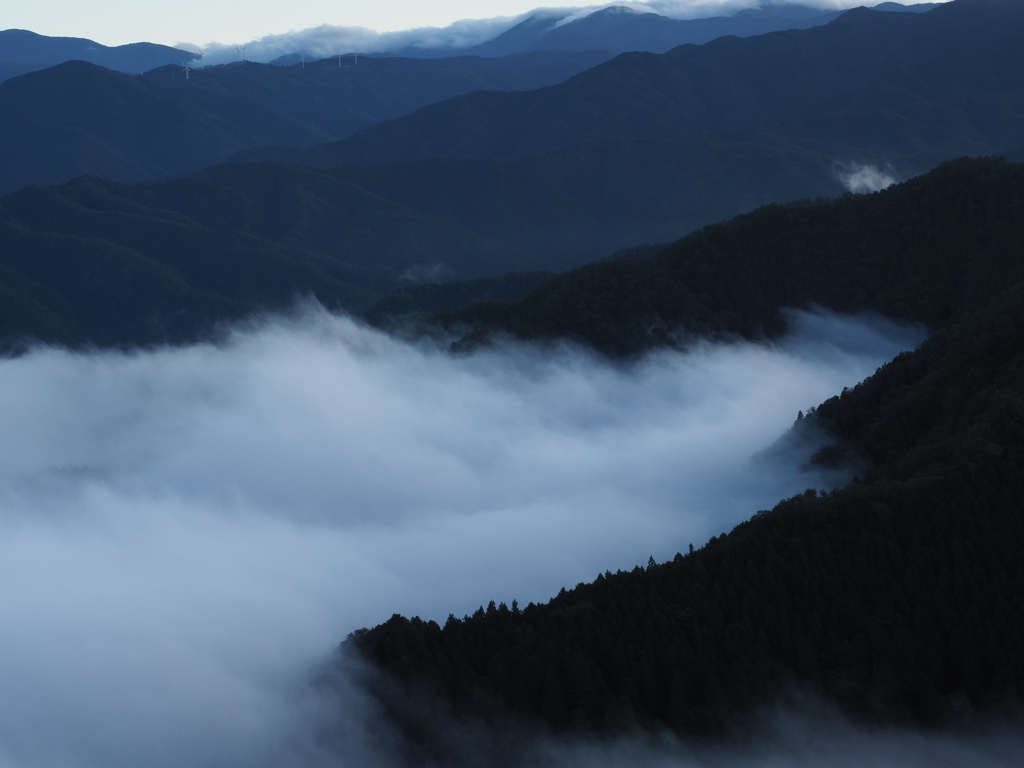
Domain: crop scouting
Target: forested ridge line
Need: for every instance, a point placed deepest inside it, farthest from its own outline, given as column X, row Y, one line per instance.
column 924, row 250
column 899, row 598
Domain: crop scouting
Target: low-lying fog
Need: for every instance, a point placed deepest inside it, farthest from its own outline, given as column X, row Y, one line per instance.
column 185, row 532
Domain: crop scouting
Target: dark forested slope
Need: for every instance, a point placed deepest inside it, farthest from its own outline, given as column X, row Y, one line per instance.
column 899, row 598
column 188, row 253
column 923, row 250
column 920, row 251
column 462, row 220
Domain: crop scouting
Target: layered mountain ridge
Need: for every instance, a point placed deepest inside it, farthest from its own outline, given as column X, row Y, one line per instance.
column 644, row 148
column 22, row 51
column 869, row 82
column 79, row 118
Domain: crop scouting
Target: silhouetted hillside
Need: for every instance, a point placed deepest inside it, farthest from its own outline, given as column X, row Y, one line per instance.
column 226, row 242
column 924, row 250
column 453, row 220
column 897, row 598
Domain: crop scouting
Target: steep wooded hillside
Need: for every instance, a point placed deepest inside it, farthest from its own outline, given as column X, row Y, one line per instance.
column 922, row 251
column 897, row 598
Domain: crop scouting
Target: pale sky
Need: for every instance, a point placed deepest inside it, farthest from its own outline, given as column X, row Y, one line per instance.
column 115, row 22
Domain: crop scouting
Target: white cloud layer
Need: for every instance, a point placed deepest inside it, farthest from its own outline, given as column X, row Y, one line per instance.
column 185, row 532
column 327, row 40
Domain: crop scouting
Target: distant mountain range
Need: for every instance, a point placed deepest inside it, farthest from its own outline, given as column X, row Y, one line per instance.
column 22, row 51
column 612, row 30
column 79, row 118
column 869, row 85
column 643, row 148
column 72, row 119
column 647, row 147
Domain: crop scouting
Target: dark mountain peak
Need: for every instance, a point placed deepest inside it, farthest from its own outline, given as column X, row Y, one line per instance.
column 27, row 46
column 65, row 89
column 33, row 51
column 78, row 67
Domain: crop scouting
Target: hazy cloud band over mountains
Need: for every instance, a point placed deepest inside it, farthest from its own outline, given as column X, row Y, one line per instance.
column 329, row 39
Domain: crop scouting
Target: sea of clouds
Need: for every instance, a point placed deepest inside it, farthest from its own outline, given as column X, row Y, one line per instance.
column 185, row 533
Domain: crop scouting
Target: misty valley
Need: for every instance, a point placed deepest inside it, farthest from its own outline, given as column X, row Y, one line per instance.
column 252, row 498
column 604, row 389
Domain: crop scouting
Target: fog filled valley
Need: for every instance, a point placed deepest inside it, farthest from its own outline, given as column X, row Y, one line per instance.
column 590, row 388
column 187, row 532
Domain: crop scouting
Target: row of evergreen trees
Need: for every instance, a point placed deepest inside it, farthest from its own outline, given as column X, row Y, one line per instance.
column 900, row 598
